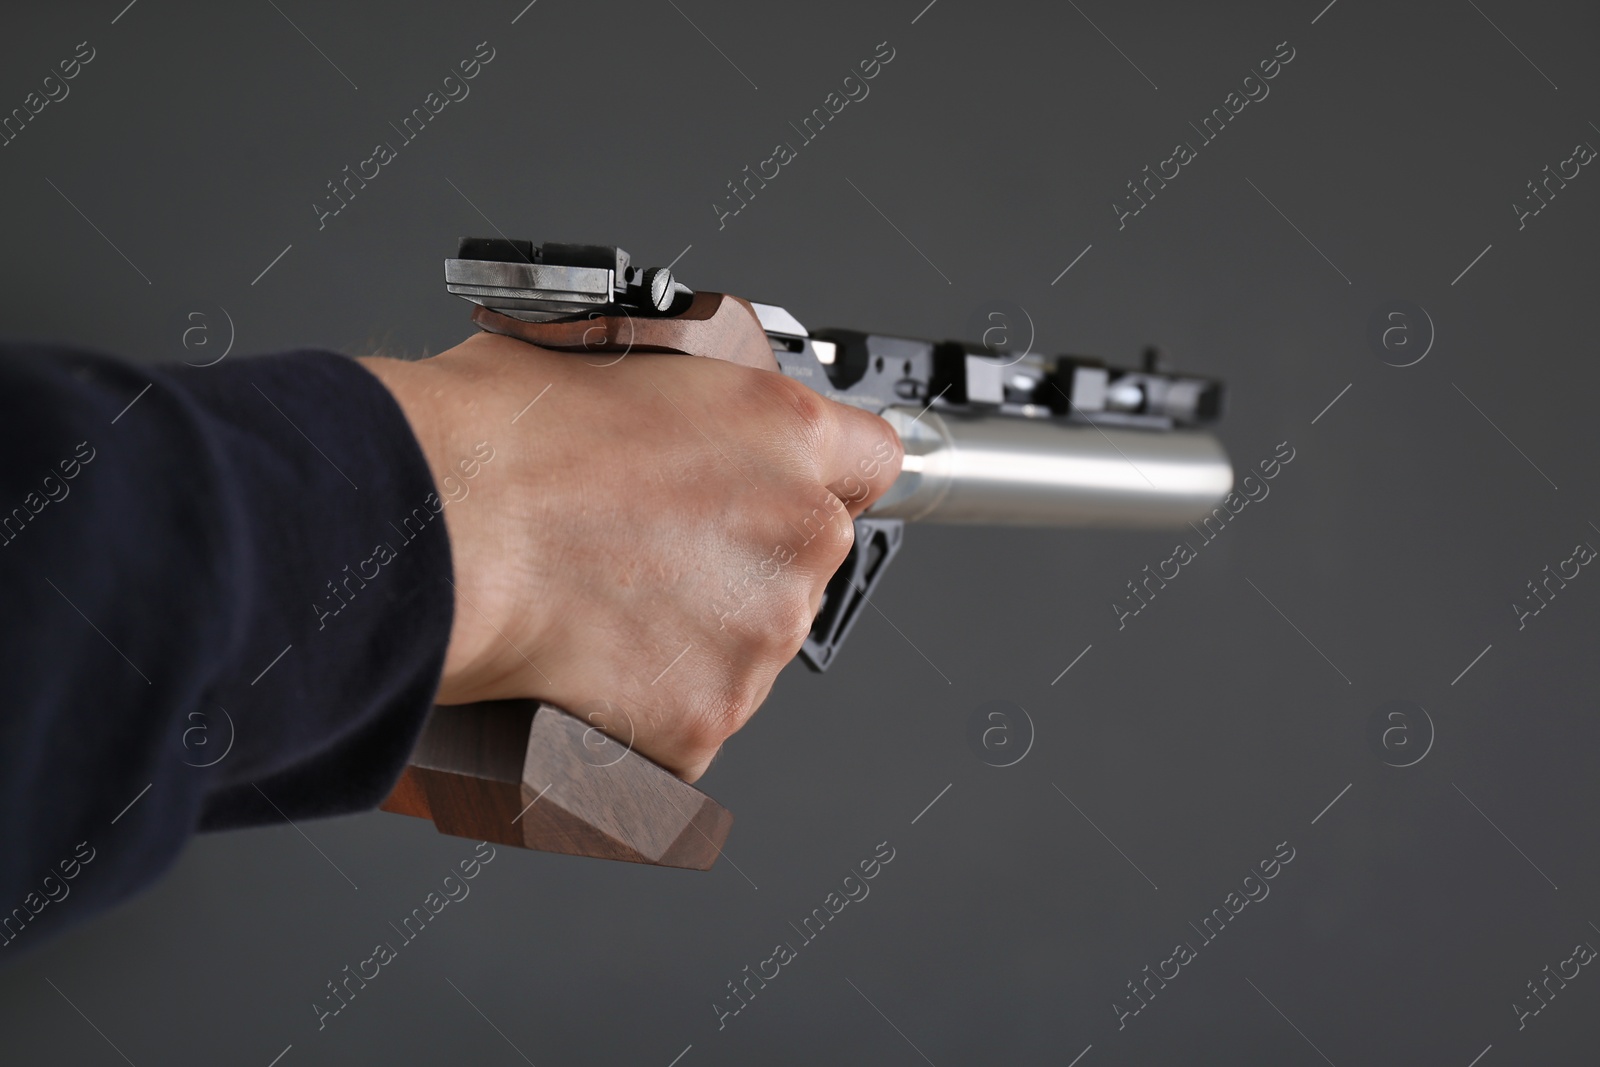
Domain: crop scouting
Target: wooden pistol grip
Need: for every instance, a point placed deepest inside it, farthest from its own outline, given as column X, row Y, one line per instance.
column 527, row 774
column 715, row 325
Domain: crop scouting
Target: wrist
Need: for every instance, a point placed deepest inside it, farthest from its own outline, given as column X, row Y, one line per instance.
column 424, row 397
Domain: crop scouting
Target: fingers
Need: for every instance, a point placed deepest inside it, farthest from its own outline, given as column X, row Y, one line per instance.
column 861, row 458
column 855, row 455
column 686, row 506
column 697, row 759
column 682, row 719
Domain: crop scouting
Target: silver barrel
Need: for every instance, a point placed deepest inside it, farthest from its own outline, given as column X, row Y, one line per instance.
column 1004, row 470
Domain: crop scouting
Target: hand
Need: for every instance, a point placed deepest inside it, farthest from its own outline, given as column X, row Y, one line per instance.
column 652, row 537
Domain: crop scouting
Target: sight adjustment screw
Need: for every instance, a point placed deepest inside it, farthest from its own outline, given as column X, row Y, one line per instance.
column 657, row 287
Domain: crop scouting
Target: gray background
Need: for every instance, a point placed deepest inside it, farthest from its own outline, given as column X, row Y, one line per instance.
column 1196, row 739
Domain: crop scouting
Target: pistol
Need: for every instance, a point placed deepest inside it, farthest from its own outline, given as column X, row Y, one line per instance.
column 991, row 437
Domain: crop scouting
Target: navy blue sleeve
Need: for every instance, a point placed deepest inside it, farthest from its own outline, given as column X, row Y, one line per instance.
column 226, row 601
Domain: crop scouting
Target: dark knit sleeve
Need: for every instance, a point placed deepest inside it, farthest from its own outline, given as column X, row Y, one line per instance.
column 227, row 600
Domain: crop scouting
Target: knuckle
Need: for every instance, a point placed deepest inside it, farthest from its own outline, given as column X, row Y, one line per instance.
column 881, row 463
column 766, row 639
column 833, row 533
column 890, row 449
column 809, row 411
column 727, row 710
column 791, row 626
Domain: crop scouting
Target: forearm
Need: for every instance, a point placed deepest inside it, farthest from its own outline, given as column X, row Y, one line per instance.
column 173, row 641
